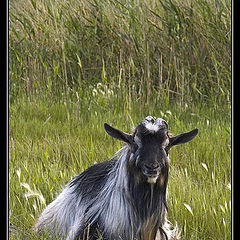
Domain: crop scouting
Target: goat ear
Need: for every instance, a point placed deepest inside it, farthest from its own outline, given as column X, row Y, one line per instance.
column 118, row 134
column 183, row 138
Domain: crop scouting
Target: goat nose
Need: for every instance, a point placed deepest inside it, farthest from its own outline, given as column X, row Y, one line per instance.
column 152, row 165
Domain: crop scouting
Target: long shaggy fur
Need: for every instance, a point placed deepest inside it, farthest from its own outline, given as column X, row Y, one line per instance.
column 124, row 198
column 105, row 202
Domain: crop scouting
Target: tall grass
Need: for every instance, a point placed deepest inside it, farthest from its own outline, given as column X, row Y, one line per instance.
column 181, row 49
column 74, row 65
column 52, row 142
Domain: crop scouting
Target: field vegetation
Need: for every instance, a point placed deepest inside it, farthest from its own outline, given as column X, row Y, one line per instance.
column 74, row 65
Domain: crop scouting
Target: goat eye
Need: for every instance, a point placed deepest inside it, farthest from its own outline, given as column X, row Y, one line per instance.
column 164, row 149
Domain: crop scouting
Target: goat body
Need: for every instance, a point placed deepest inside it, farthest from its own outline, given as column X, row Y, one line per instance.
column 124, row 198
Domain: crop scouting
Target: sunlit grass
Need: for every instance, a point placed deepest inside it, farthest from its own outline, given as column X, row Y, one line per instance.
column 45, row 155
column 182, row 49
column 74, row 65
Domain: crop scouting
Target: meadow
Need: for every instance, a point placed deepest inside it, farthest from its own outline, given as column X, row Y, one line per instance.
column 74, row 65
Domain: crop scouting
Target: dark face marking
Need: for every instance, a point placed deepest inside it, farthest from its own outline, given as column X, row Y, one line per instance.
column 151, row 157
column 149, row 146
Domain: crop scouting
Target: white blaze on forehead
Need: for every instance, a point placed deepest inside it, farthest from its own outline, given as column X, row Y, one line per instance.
column 154, row 126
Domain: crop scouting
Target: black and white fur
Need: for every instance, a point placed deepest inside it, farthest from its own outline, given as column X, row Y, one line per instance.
column 124, row 198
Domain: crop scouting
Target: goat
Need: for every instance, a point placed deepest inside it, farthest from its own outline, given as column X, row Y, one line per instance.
column 124, row 198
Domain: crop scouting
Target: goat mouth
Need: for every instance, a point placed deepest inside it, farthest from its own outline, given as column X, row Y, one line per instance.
column 152, row 179
column 151, row 173
column 151, row 176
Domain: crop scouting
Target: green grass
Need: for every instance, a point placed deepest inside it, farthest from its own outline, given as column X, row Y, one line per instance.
column 51, row 142
column 179, row 48
column 74, row 65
